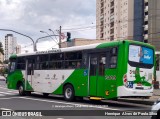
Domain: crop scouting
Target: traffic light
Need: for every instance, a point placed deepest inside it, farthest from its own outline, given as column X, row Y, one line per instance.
column 68, row 36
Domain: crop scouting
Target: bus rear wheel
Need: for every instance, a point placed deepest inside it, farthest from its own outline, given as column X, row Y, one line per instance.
column 21, row 90
column 69, row 92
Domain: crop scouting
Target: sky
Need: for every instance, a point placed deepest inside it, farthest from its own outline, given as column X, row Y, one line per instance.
column 29, row 17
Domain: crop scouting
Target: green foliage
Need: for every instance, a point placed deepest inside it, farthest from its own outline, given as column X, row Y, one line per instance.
column 5, row 61
column 3, row 71
column 1, row 48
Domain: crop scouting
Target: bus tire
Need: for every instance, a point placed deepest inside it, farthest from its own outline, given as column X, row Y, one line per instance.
column 69, row 93
column 21, row 90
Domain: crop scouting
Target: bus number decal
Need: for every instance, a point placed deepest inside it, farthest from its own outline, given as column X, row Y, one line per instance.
column 110, row 77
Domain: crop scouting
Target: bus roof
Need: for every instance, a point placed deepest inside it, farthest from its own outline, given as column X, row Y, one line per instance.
column 83, row 47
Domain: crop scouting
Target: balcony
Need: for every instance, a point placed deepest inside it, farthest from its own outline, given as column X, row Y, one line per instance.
column 101, row 30
column 146, row 36
column 101, row 17
column 102, row 11
column 112, row 15
column 145, row 27
column 112, row 11
column 146, row 9
column 112, row 37
column 102, row 1
column 145, row 0
column 112, row 25
column 111, row 0
column 112, row 7
column 112, row 31
column 146, row 18
column 112, row 18
column 102, row 5
column 112, row 4
column 101, row 36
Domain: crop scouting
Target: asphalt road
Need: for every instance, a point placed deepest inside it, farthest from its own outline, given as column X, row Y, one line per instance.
column 55, row 105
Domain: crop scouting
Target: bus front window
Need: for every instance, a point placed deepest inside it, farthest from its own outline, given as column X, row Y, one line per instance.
column 12, row 65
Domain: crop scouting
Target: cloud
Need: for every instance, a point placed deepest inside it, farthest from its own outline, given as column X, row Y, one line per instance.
column 31, row 16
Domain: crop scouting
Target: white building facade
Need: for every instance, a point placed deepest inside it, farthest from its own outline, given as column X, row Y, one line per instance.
column 10, row 46
column 119, row 19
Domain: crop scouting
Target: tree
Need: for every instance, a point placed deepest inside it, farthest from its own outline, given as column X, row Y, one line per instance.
column 5, row 62
column 1, row 48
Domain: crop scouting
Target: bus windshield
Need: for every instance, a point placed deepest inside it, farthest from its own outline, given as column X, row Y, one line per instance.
column 141, row 56
column 12, row 65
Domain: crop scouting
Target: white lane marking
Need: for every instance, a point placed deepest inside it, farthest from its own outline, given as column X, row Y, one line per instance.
column 7, row 93
column 13, row 91
column 60, row 118
column 4, row 87
column 5, row 109
column 66, row 103
column 9, row 90
column 8, row 98
column 37, row 93
column 2, row 95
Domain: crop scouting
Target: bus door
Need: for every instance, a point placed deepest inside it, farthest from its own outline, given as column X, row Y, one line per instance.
column 97, row 62
column 29, row 74
column 110, row 84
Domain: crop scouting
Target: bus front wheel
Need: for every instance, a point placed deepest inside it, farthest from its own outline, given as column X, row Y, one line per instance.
column 21, row 90
column 69, row 92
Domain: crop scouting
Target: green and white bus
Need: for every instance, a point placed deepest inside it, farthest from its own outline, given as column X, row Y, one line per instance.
column 98, row 71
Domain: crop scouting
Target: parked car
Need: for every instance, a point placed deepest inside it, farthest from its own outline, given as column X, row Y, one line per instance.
column 156, row 109
column 2, row 78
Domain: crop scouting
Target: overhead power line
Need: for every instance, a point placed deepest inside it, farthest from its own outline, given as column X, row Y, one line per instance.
column 117, row 22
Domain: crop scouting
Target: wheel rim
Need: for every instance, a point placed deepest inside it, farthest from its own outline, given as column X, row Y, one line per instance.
column 68, row 93
column 21, row 89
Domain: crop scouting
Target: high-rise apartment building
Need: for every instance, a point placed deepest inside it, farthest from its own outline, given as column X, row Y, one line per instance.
column 10, row 46
column 120, row 19
column 1, row 57
column 152, row 23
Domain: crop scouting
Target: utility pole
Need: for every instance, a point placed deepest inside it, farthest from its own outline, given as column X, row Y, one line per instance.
column 60, row 28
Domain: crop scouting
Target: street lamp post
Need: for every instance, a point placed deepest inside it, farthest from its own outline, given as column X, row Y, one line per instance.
column 49, row 36
column 20, row 34
column 35, row 45
column 60, row 31
column 53, row 34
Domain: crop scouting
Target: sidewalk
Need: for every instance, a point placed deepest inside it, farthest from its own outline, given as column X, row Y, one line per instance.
column 156, row 95
column 156, row 92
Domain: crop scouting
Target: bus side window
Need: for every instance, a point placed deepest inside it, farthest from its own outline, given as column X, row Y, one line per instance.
column 42, row 62
column 113, row 58
column 12, row 66
column 21, row 63
column 93, row 65
column 102, row 63
column 73, row 60
column 31, row 65
column 56, row 61
column 113, row 62
column 84, row 61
